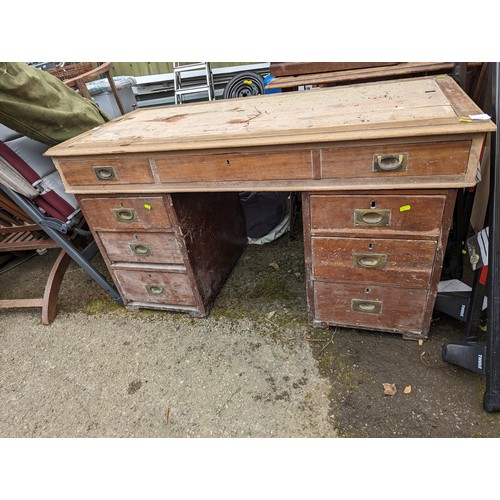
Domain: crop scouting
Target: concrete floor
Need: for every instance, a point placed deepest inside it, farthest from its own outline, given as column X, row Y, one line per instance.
column 253, row 368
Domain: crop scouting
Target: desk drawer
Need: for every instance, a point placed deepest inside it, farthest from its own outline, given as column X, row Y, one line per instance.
column 377, row 261
column 155, row 287
column 386, row 215
column 126, row 213
column 220, row 167
column 102, row 171
column 373, row 307
column 380, row 161
column 147, row 248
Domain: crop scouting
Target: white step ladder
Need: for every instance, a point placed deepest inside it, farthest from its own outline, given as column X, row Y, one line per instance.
column 181, row 91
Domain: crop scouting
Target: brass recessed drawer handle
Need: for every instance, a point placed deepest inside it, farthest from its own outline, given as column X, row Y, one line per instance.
column 141, row 249
column 366, row 306
column 125, row 214
column 369, row 261
column 105, row 173
column 395, row 162
column 155, row 289
column 370, row 217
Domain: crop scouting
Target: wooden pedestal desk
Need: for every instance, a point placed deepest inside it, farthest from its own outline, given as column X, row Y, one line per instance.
column 378, row 166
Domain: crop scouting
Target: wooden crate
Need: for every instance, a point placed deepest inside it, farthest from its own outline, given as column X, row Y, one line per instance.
column 306, row 68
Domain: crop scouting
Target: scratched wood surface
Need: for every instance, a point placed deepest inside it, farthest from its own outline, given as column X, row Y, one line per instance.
column 397, row 108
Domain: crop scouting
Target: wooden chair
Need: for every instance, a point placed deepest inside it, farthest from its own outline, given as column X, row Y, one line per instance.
column 36, row 213
column 18, row 233
column 76, row 76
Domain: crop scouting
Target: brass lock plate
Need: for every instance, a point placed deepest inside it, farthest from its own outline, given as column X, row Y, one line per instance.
column 155, row 289
column 105, row 173
column 366, row 306
column 379, row 217
column 141, row 249
column 369, row 260
column 125, row 214
column 391, row 162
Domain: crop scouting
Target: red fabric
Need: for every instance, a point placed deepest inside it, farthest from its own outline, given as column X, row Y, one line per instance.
column 51, row 202
column 53, row 212
column 18, row 163
column 484, row 275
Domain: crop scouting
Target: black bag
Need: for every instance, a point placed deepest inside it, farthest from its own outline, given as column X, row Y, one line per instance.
column 263, row 211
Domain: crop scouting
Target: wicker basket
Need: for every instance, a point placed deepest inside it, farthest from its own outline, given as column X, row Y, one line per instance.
column 72, row 70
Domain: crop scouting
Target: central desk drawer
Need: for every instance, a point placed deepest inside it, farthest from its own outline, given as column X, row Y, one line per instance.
column 396, row 160
column 155, row 287
column 147, row 248
column 374, row 307
column 380, row 214
column 217, row 167
column 378, row 261
column 127, row 213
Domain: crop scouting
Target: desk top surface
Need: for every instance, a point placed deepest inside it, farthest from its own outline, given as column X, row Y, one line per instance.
column 390, row 109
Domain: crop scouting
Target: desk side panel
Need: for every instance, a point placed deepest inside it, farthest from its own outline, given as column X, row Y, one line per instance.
column 213, row 228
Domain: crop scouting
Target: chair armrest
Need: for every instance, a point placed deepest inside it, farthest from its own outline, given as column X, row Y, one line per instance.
column 103, row 68
column 79, row 83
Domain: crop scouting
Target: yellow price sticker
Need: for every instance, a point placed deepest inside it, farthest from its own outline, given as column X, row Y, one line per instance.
column 147, row 207
column 247, row 82
column 405, row 208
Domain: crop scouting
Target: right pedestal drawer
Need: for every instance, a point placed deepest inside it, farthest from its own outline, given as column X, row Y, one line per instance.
column 370, row 307
column 388, row 215
column 382, row 261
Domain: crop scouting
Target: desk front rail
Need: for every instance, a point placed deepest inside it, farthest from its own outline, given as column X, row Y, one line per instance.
column 406, row 163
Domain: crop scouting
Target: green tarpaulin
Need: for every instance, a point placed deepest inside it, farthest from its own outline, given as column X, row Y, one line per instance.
column 40, row 106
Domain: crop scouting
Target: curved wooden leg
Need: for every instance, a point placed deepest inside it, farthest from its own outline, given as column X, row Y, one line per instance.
column 49, row 306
